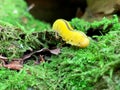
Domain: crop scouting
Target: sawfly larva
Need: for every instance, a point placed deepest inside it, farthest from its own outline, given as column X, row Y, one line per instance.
column 69, row 35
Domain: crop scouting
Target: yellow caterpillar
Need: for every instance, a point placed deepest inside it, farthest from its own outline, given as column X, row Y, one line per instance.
column 69, row 35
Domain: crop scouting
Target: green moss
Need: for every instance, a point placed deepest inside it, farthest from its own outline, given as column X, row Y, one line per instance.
column 96, row 27
column 80, row 24
column 14, row 42
column 17, row 26
column 16, row 12
column 94, row 67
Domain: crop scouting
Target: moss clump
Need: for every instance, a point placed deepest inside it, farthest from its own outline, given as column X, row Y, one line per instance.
column 17, row 26
column 14, row 42
column 96, row 27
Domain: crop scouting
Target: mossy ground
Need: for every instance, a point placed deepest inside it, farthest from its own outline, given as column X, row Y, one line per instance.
column 93, row 68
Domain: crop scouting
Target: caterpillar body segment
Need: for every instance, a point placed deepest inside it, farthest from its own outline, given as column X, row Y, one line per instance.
column 61, row 25
column 69, row 35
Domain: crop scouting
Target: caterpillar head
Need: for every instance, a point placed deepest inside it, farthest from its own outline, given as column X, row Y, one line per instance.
column 85, row 43
column 79, row 39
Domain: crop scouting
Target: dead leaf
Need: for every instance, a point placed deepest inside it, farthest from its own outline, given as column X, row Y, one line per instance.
column 43, row 51
column 52, row 51
column 27, row 56
column 40, row 59
column 15, row 65
column 55, row 51
column 3, row 58
column 1, row 65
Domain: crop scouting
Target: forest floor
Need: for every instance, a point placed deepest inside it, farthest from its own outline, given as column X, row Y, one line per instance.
column 33, row 58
